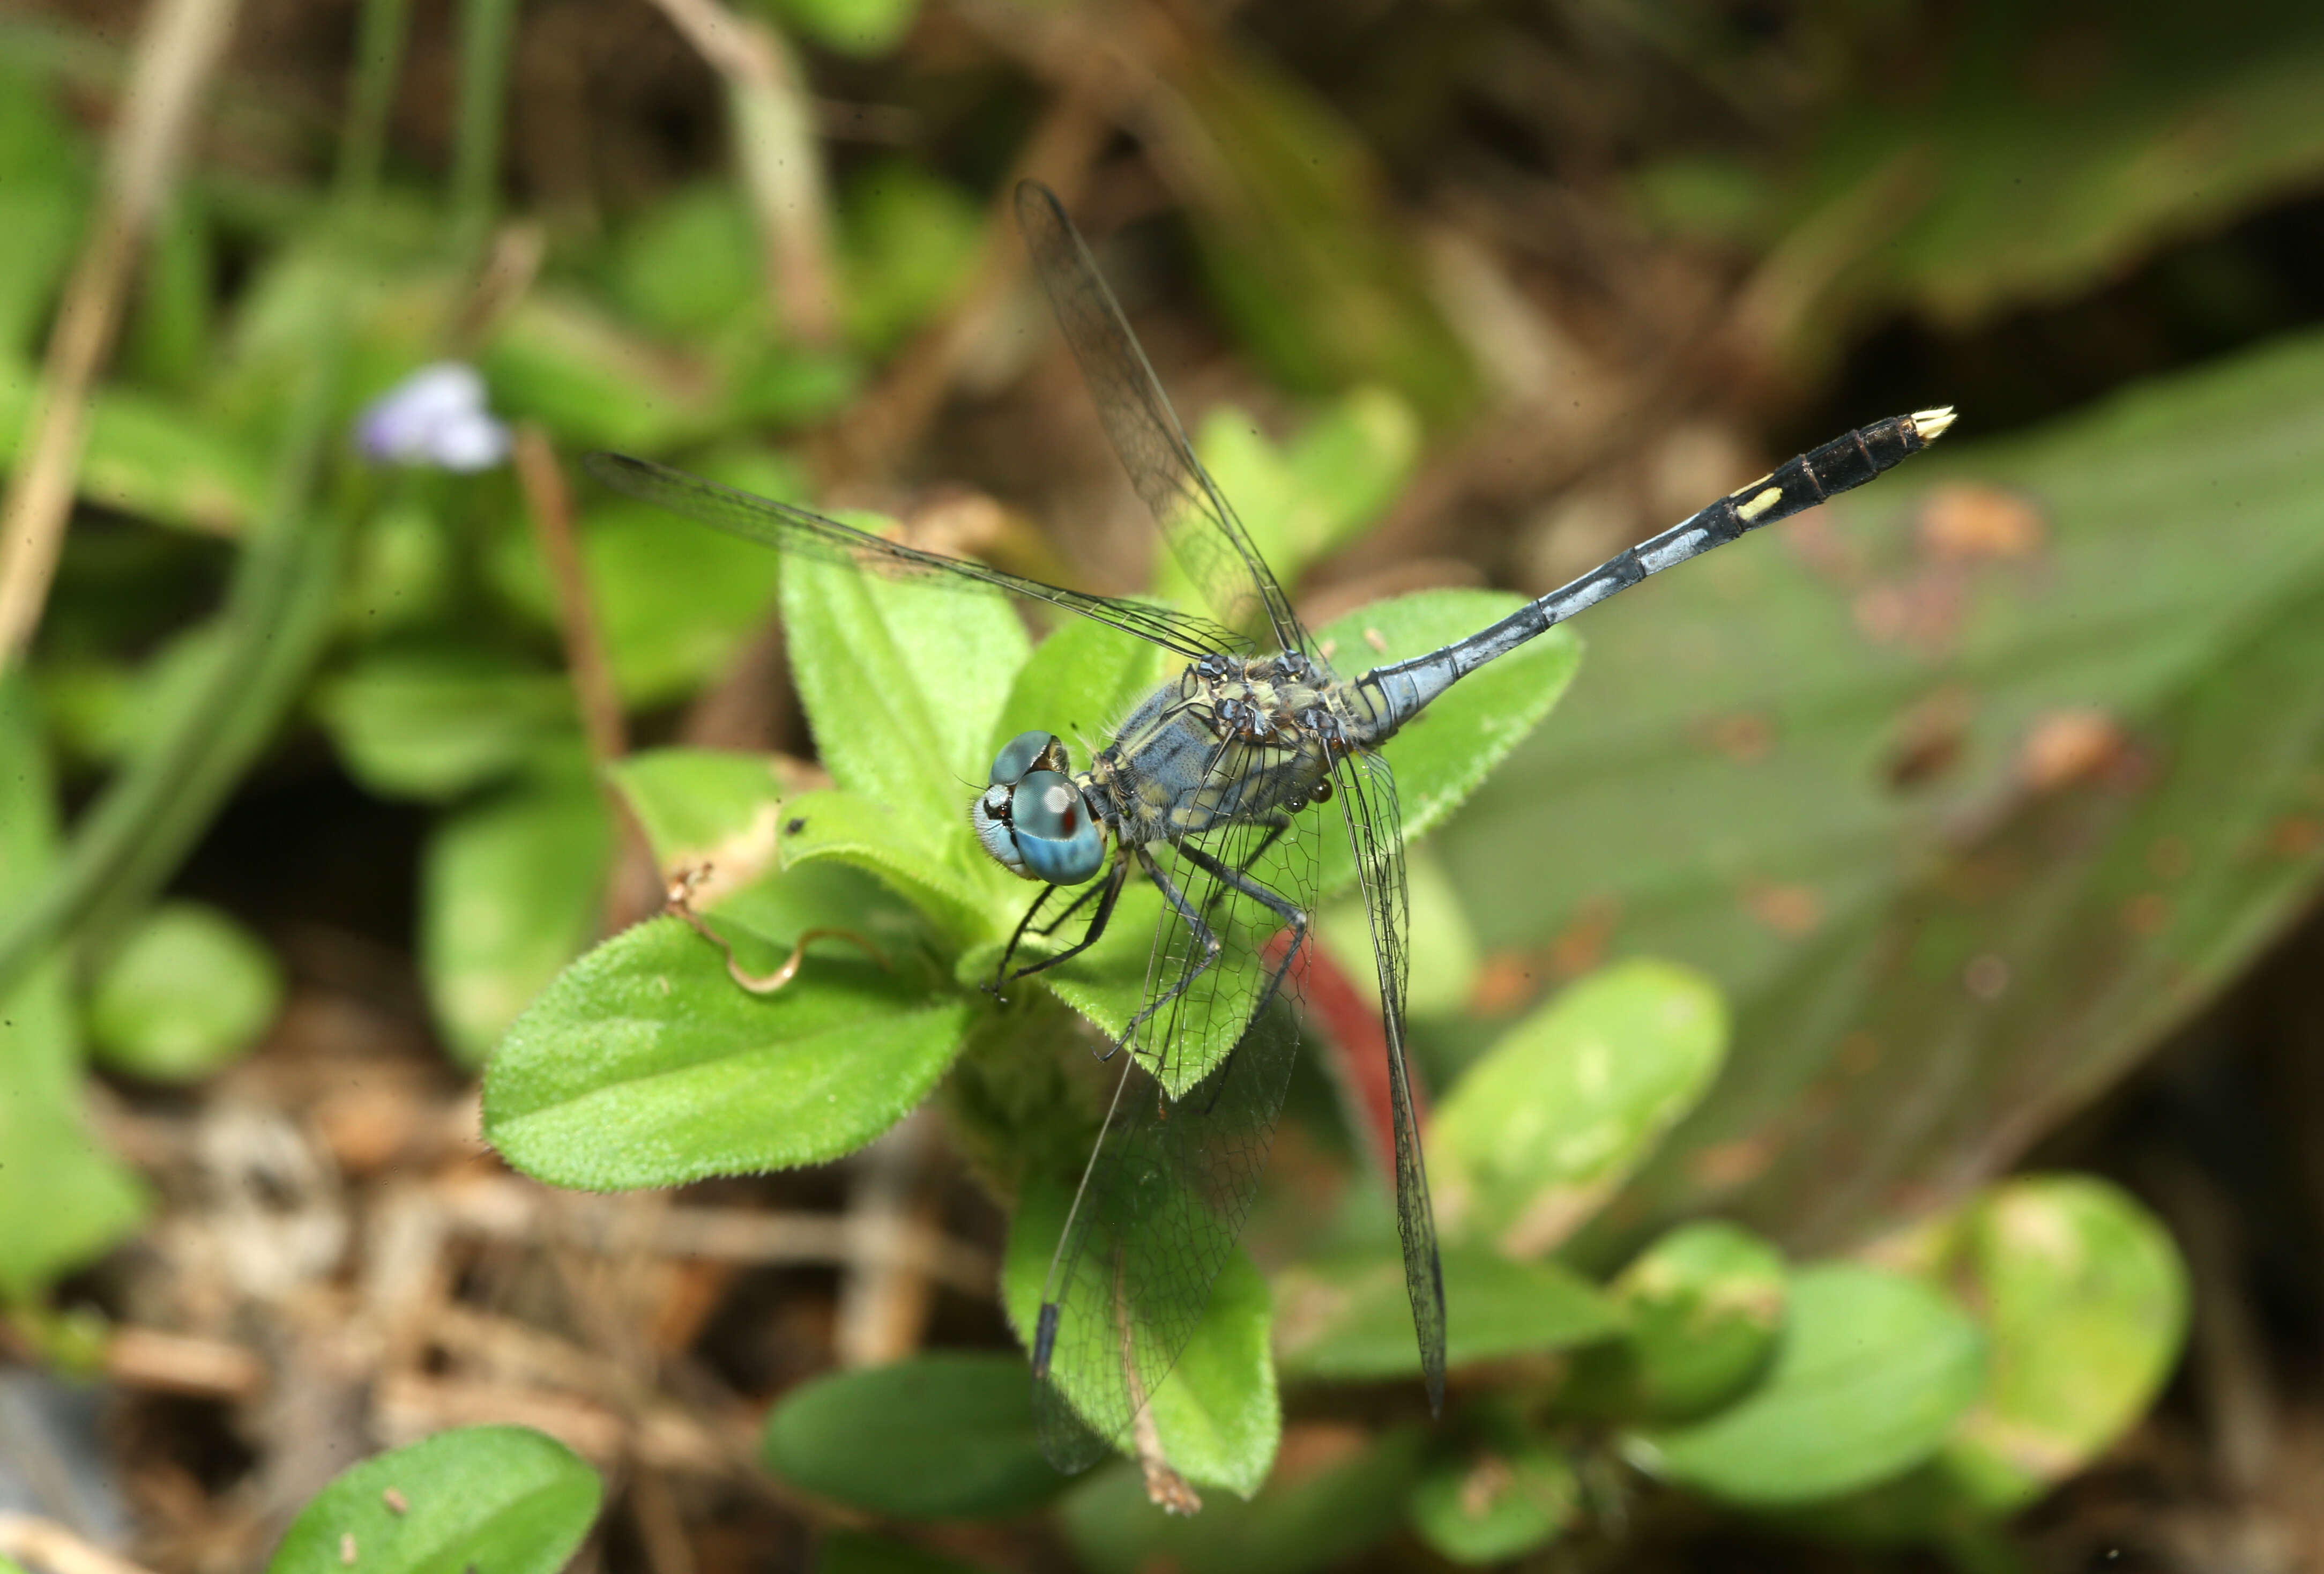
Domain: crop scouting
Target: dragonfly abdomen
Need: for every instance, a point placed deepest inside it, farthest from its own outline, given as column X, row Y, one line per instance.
column 1389, row 697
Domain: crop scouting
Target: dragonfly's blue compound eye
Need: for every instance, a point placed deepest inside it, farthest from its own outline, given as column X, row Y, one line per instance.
column 1023, row 753
column 1056, row 835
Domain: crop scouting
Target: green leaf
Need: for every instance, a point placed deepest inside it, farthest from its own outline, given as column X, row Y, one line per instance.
column 1538, row 1132
column 1347, row 1317
column 676, row 602
column 704, row 806
column 1491, row 1504
column 1443, row 756
column 405, row 575
column 2085, row 1300
column 1345, row 1495
column 645, row 1065
column 1216, row 1412
column 187, row 991
column 63, row 1199
column 2085, row 1303
column 902, row 684
column 511, row 889
column 1874, row 1371
column 691, row 264
column 1812, row 765
column 154, row 458
column 502, row 1498
column 1350, row 464
column 909, row 239
column 436, row 720
column 1706, row 1311
column 167, row 341
column 1441, row 949
column 857, row 830
column 560, row 360
column 940, row 1436
column 781, row 867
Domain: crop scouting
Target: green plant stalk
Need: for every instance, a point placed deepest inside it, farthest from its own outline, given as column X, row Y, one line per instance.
column 278, row 614
column 487, row 28
column 379, row 62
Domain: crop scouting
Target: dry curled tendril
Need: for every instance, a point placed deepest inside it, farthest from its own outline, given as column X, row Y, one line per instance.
column 679, row 899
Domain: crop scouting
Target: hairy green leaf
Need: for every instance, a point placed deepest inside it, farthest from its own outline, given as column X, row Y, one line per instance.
column 644, row 1064
column 505, row 1498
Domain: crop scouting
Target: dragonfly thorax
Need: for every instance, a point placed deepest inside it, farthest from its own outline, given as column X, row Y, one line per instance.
column 1230, row 739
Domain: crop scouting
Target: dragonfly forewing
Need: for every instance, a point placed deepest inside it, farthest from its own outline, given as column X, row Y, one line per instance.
column 803, row 532
column 1204, row 534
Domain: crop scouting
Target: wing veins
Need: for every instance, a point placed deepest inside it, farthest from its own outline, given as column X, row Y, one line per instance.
column 803, row 532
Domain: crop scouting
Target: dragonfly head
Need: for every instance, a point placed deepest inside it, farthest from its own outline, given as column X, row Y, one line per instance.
column 1032, row 820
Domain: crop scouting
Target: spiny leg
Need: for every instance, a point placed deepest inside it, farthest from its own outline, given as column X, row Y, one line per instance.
column 1240, row 879
column 1197, row 929
column 1016, row 938
column 1112, row 890
column 1277, row 824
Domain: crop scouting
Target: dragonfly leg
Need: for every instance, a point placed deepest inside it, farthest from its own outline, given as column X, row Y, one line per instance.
column 1001, row 972
column 1078, row 902
column 1239, row 878
column 1107, row 894
column 1197, row 931
column 1276, row 827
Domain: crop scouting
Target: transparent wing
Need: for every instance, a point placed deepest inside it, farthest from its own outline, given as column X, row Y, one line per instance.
column 1368, row 800
column 806, row 534
column 1172, row 1178
column 1210, row 542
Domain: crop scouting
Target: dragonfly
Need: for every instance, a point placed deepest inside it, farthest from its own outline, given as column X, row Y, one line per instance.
column 1216, row 793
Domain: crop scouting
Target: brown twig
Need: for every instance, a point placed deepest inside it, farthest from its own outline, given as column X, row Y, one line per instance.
column 176, row 53
column 548, row 502
column 507, row 1209
column 169, row 1362
column 782, row 174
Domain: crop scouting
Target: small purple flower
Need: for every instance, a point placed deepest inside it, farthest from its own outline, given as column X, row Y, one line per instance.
column 437, row 416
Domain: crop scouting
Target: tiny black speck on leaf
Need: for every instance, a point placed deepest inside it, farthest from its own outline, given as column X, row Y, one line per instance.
column 794, row 826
